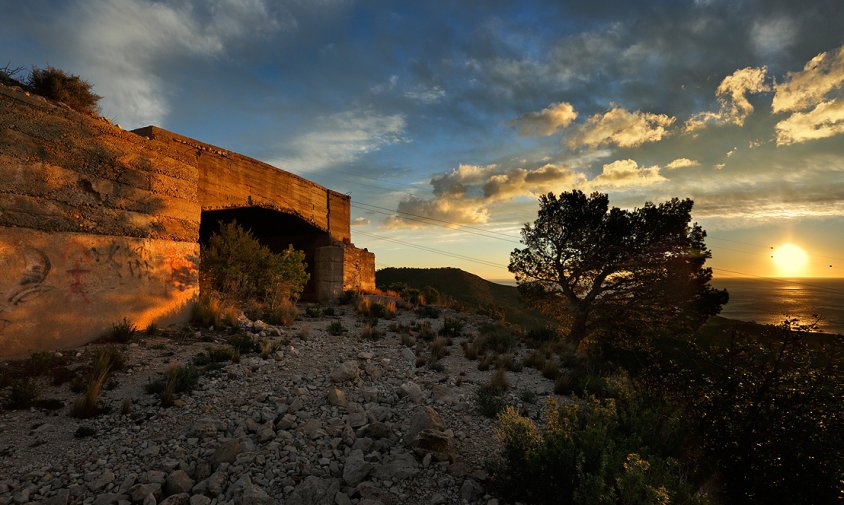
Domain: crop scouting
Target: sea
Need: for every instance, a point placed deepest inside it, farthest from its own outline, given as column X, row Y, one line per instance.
column 773, row 300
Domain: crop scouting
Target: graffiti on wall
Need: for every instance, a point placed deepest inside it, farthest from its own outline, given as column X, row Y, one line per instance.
column 33, row 267
column 125, row 260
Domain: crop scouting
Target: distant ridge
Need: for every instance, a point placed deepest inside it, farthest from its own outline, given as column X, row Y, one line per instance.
column 467, row 289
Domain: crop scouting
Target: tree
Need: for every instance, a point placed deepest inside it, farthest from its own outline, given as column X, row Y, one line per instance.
column 589, row 264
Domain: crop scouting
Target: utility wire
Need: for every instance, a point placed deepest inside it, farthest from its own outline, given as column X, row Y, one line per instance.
column 436, row 251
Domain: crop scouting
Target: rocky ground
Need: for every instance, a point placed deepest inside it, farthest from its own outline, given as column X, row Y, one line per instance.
column 321, row 419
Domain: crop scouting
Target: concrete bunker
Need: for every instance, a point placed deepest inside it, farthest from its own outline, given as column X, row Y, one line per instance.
column 98, row 224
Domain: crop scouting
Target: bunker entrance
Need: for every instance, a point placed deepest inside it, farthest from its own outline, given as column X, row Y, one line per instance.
column 273, row 229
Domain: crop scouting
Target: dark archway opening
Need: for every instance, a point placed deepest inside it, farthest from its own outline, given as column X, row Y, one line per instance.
column 273, row 229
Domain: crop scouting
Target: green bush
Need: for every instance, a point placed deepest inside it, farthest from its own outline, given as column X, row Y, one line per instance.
column 431, row 295
column 336, row 328
column 489, row 402
column 428, row 312
column 313, row 311
column 235, row 264
column 244, row 343
column 452, row 327
column 23, row 394
column 67, row 88
column 178, row 379
column 768, row 410
column 593, row 452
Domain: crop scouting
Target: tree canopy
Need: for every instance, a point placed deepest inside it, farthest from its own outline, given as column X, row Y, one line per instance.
column 589, row 264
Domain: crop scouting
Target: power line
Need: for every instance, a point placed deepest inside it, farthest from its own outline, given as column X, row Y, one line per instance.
column 450, row 223
column 436, row 251
column 420, row 220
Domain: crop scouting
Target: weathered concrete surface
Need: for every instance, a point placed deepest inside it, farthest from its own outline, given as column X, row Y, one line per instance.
column 96, row 225
column 230, row 180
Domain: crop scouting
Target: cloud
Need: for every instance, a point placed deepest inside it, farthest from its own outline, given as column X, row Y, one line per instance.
column 825, row 120
column 621, row 127
column 772, row 36
column 122, row 44
column 546, row 121
column 464, row 195
column 360, row 221
column 448, row 208
column 809, row 87
column 341, row 138
column 682, row 163
column 425, row 94
column 523, row 182
column 627, row 174
column 732, row 95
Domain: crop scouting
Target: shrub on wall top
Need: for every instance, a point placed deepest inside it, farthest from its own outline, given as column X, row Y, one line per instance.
column 70, row 89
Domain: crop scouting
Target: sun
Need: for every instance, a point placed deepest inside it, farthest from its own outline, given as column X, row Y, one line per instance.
column 791, row 260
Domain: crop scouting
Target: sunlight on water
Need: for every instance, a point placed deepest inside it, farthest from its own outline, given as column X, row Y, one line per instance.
column 772, row 301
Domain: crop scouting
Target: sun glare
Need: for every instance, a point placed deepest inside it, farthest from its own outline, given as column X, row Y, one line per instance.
column 790, row 259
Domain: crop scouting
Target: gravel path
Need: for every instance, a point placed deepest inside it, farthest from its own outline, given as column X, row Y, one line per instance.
column 324, row 420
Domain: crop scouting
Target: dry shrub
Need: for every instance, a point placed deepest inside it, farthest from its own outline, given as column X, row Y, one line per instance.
column 535, row 359
column 470, row 350
column 498, row 383
column 211, row 310
column 67, row 88
column 485, row 362
column 439, row 349
column 504, row 361
column 406, row 340
column 551, row 370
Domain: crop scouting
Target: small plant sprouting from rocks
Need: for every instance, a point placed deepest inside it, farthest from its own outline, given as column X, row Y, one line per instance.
column 528, row 396
column 153, row 329
column 452, row 327
column 439, row 349
column 428, row 312
column 489, row 402
column 498, row 382
column 244, row 343
column 305, row 333
column 122, row 332
column 39, row 363
column 336, row 328
column 551, row 370
column 269, row 347
column 108, row 360
column 177, row 379
column 470, row 350
column 406, row 340
column 328, row 311
column 23, row 395
column 424, row 330
column 485, row 362
column 504, row 362
column 370, row 332
column 313, row 311
column 126, row 407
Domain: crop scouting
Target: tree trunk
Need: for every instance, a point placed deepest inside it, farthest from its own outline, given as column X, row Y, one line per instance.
column 578, row 325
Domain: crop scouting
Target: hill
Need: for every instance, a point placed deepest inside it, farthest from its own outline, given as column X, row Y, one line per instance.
column 466, row 289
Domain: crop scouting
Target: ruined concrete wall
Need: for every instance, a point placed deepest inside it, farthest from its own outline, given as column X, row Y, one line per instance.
column 340, row 268
column 358, row 269
column 328, row 273
column 230, row 180
column 96, row 224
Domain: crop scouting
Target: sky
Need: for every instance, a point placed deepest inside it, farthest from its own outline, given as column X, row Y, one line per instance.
column 444, row 120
